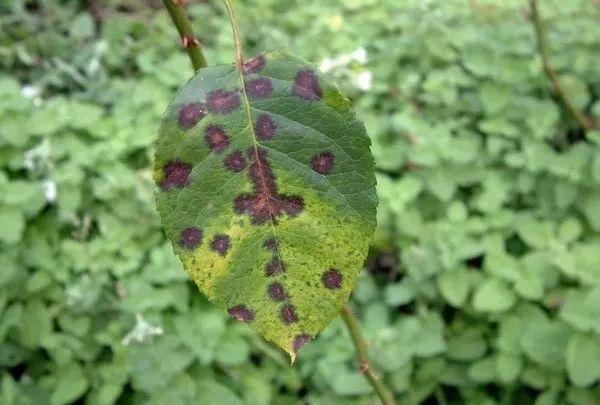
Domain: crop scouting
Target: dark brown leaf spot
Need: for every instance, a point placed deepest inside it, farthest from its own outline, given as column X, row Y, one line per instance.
column 265, row 127
column 332, row 279
column 241, row 313
column 223, row 101
column 288, row 314
column 254, row 65
column 271, row 244
column 275, row 266
column 260, row 87
column 190, row 114
column 236, row 162
column 276, row 292
column 190, row 237
column 265, row 204
column 220, row 244
column 216, row 138
column 322, row 163
column 300, row 341
column 306, row 86
column 176, row 175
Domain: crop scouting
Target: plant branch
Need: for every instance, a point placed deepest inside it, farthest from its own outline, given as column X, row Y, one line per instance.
column 543, row 49
column 188, row 39
column 237, row 42
column 385, row 395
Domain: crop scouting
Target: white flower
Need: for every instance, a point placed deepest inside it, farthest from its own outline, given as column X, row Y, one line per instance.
column 343, row 60
column 30, row 92
column 37, row 156
column 360, row 55
column 49, row 187
column 142, row 331
column 326, row 65
column 363, row 80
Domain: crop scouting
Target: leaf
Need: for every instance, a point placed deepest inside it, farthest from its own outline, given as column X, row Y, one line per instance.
column 493, row 295
column 71, row 384
column 508, row 367
column 210, row 392
column 494, row 96
column 267, row 193
column 545, row 343
column 583, row 353
column 11, row 225
column 466, row 346
column 454, row 286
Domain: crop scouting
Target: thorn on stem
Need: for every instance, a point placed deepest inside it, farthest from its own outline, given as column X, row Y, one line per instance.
column 189, row 41
column 363, row 366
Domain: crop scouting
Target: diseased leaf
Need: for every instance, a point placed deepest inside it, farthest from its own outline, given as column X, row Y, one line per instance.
column 266, row 190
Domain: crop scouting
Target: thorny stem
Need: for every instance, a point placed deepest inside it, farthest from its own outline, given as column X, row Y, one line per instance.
column 542, row 44
column 188, row 39
column 385, row 395
column 237, row 42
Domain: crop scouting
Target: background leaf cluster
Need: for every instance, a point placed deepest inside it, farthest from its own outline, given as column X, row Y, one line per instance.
column 484, row 280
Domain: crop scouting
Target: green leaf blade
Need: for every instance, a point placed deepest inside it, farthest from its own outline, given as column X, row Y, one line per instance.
column 266, row 190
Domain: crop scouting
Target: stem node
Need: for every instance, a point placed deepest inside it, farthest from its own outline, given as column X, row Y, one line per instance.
column 184, row 27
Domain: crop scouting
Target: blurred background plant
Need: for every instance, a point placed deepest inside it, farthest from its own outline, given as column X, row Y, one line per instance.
column 483, row 285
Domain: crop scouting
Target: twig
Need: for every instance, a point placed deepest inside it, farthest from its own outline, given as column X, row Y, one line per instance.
column 237, row 42
column 385, row 395
column 542, row 44
column 189, row 41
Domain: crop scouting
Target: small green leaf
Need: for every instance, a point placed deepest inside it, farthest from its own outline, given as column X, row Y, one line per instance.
column 494, row 96
column 210, row 392
column 467, row 346
column 493, row 295
column 267, row 192
column 12, row 223
column 71, row 384
column 454, row 286
column 545, row 343
column 508, row 367
column 82, row 26
column 583, row 352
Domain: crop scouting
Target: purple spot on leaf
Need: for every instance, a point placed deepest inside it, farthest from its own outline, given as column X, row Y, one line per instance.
column 220, row 244
column 306, row 86
column 275, row 266
column 271, row 244
column 223, row 101
column 190, row 237
column 216, row 138
column 260, row 87
column 190, row 114
column 288, row 314
column 322, row 163
column 276, row 292
column 254, row 65
column 332, row 279
column 241, row 313
column 236, row 162
column 300, row 341
column 265, row 127
column 265, row 204
column 176, row 175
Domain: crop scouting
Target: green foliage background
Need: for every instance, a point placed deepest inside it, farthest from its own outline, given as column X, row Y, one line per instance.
column 484, row 280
